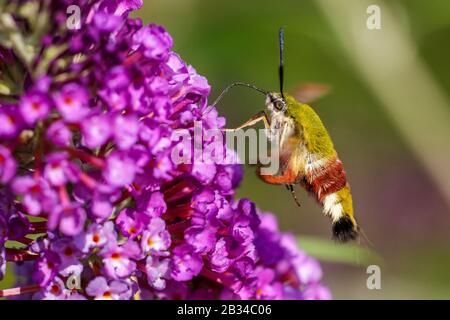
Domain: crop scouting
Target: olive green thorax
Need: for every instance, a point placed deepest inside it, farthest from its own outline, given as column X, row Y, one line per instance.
column 311, row 128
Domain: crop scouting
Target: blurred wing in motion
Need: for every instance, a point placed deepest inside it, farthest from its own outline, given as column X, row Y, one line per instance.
column 310, row 91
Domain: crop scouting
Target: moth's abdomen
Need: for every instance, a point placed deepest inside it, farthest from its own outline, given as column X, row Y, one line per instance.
column 339, row 207
column 326, row 179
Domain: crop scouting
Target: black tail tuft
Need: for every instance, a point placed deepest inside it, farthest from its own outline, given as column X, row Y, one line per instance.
column 344, row 229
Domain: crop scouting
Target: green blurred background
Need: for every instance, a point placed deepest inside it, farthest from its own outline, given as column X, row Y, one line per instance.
column 387, row 112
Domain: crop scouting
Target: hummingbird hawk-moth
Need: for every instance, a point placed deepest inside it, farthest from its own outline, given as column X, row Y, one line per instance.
column 307, row 154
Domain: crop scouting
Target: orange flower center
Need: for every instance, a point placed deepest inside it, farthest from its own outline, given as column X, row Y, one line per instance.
column 55, row 165
column 35, row 189
column 68, row 100
column 11, row 120
column 107, row 295
column 55, row 289
column 96, row 238
column 35, row 105
column 115, row 256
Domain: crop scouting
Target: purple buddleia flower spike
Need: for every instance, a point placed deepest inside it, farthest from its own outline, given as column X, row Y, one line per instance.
column 90, row 186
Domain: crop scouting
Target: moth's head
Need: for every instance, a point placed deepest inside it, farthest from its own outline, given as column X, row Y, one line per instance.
column 275, row 102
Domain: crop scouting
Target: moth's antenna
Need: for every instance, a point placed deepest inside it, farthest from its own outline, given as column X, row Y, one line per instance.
column 281, row 65
column 234, row 84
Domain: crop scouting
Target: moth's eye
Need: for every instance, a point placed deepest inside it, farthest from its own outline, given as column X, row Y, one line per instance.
column 279, row 104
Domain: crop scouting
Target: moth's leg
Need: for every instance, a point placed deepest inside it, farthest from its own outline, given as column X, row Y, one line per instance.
column 266, row 120
column 260, row 116
column 290, row 188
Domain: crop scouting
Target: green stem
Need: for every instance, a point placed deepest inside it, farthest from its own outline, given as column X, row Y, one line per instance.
column 9, row 28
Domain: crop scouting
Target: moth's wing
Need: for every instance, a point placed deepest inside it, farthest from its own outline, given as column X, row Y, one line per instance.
column 310, row 91
column 287, row 172
column 290, row 145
